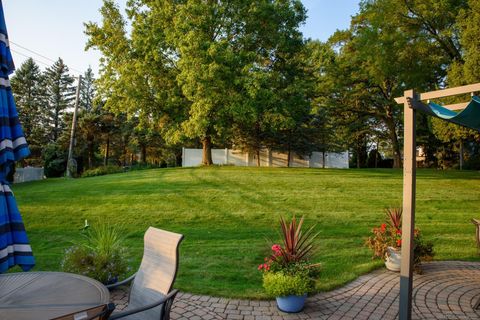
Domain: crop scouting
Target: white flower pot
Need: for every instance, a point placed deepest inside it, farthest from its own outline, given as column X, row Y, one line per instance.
column 393, row 259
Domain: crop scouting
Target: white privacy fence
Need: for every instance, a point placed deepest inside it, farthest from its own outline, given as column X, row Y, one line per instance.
column 28, row 174
column 268, row 158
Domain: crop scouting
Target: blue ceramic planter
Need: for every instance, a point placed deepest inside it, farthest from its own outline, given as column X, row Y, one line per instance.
column 291, row 304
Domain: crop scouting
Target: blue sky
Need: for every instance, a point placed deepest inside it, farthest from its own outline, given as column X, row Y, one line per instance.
column 54, row 28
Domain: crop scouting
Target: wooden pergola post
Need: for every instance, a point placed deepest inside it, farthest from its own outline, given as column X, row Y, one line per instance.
column 411, row 102
column 408, row 217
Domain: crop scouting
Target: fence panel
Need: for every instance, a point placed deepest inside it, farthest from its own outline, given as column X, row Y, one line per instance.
column 28, row 174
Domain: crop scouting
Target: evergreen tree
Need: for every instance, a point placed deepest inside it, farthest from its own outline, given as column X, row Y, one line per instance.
column 60, row 93
column 87, row 91
column 29, row 91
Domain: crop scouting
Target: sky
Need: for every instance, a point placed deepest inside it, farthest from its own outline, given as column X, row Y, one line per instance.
column 54, row 28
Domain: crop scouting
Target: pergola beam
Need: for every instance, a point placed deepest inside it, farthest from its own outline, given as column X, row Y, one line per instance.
column 453, row 107
column 471, row 88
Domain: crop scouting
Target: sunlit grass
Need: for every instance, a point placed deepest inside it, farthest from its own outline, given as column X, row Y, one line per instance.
column 225, row 214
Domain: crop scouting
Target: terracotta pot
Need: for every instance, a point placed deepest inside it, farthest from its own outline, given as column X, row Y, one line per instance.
column 393, row 259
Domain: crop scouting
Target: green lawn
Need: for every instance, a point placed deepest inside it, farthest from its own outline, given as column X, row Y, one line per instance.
column 225, row 214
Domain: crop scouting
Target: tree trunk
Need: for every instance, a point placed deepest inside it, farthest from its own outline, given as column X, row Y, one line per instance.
column 461, row 155
column 207, row 151
column 144, row 153
column 289, row 155
column 323, row 159
column 107, row 150
column 90, row 154
column 392, row 131
column 359, row 149
column 258, row 157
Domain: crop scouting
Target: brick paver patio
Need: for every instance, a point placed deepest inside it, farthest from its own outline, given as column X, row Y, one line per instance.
column 446, row 290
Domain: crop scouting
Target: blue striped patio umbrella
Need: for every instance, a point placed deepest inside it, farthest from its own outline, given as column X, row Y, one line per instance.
column 14, row 246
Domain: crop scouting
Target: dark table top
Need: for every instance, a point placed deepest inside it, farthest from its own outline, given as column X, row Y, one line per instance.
column 45, row 295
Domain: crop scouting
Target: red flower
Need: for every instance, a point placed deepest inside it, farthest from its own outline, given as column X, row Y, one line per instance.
column 399, row 242
column 383, row 227
column 399, row 231
column 276, row 248
column 260, row 267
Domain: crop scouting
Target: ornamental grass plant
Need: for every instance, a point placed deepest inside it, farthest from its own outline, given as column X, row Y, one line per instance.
column 101, row 255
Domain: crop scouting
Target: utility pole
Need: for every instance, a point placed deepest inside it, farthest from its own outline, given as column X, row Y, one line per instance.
column 71, row 161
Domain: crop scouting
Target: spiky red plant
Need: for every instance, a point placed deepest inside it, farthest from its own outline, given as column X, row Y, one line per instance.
column 394, row 217
column 297, row 246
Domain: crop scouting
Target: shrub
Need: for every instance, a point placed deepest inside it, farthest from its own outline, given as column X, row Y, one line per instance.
column 280, row 284
column 101, row 255
column 101, row 171
column 55, row 161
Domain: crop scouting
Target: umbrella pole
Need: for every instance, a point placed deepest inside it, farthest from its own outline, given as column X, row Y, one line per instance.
column 74, row 125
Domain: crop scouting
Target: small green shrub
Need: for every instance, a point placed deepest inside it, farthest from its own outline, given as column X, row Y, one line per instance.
column 281, row 284
column 55, row 161
column 101, row 255
column 101, row 171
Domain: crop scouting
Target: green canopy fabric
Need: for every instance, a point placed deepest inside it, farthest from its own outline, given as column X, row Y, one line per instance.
column 468, row 117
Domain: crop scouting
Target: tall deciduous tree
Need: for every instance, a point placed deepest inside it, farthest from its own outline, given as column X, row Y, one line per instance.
column 60, row 93
column 185, row 65
column 377, row 61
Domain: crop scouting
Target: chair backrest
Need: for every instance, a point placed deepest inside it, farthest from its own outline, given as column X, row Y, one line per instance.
column 157, row 272
column 101, row 312
column 476, row 222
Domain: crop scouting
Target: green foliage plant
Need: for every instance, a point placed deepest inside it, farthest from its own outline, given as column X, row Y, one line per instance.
column 287, row 271
column 55, row 160
column 101, row 255
column 281, row 284
column 389, row 234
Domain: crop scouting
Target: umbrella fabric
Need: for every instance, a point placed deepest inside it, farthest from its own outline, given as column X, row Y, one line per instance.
column 14, row 245
column 468, row 117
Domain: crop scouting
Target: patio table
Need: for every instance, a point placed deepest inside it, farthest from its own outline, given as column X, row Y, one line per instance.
column 45, row 295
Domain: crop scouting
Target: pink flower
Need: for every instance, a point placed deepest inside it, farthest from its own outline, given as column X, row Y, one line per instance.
column 276, row 248
column 260, row 267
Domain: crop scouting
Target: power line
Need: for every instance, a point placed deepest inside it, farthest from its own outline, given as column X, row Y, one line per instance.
column 38, row 54
column 31, row 51
column 27, row 56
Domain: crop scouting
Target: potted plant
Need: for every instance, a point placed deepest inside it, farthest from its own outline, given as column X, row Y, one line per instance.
column 386, row 242
column 287, row 273
column 101, row 255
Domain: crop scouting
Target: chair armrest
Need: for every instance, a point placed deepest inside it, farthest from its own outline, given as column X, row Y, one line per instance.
column 166, row 299
column 121, row 283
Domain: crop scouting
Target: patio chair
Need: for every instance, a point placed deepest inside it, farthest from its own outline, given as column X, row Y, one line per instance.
column 101, row 312
column 151, row 295
column 476, row 222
